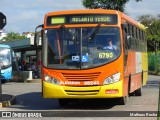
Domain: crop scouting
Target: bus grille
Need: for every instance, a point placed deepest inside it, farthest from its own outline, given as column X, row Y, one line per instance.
column 81, row 76
column 88, row 92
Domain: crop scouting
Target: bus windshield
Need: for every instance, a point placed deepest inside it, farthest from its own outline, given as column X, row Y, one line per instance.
column 5, row 58
column 81, row 48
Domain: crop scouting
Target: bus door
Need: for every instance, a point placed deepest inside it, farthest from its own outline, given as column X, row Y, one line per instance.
column 15, row 67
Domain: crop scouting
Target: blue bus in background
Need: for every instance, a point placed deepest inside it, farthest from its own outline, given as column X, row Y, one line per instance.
column 7, row 60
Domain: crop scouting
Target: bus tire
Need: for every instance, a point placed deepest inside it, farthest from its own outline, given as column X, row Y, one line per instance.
column 123, row 100
column 3, row 81
column 63, row 102
column 138, row 92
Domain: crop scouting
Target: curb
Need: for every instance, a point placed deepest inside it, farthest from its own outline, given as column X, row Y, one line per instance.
column 7, row 100
column 29, row 81
column 34, row 81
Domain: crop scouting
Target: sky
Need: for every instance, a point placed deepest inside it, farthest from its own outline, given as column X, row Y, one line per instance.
column 25, row 15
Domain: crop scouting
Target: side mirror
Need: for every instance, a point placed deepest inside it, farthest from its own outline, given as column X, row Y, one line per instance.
column 37, row 37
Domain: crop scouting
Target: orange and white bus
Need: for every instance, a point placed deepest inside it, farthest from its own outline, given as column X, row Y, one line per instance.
column 77, row 62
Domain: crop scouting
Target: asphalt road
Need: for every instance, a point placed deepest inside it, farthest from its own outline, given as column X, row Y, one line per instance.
column 28, row 96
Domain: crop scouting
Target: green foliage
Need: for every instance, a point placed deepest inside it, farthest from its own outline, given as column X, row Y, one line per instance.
column 106, row 4
column 13, row 36
column 151, row 62
column 153, row 31
column 154, row 62
column 146, row 19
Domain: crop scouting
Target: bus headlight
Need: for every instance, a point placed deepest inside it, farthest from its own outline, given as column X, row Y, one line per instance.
column 112, row 79
column 50, row 79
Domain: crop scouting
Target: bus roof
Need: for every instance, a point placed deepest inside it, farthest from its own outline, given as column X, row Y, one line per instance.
column 124, row 16
column 84, row 11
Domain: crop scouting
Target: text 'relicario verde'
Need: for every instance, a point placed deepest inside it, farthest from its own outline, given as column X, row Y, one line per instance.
column 91, row 19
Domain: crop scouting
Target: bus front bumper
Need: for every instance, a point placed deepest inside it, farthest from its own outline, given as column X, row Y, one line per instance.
column 6, row 76
column 105, row 91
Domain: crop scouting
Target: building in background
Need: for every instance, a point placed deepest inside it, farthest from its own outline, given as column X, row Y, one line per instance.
column 28, row 34
column 2, row 34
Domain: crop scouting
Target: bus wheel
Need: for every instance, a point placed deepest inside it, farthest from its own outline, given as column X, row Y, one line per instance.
column 63, row 102
column 138, row 92
column 123, row 100
column 3, row 81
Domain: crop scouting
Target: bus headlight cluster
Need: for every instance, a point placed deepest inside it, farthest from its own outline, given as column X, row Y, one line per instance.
column 112, row 79
column 50, row 79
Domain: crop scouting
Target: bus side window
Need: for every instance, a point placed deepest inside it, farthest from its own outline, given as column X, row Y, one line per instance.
column 126, row 36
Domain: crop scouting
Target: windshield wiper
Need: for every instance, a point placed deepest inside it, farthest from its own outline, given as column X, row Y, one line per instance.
column 67, row 31
column 94, row 33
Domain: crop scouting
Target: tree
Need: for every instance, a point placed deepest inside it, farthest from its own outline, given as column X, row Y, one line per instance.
column 106, row 4
column 13, row 36
column 154, row 35
column 146, row 19
column 152, row 24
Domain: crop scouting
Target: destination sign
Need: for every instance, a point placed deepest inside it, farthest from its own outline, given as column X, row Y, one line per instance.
column 89, row 19
column 82, row 19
